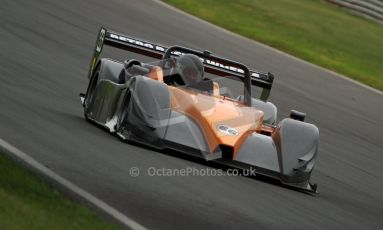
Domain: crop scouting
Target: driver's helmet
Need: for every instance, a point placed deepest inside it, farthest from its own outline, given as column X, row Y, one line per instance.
column 190, row 67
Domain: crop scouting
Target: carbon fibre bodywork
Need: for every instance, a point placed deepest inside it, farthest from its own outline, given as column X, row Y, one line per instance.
column 238, row 132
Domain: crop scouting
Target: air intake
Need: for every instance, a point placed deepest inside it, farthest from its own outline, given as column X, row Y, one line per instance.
column 227, row 151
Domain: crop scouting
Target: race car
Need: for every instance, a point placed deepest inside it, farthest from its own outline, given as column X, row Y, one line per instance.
column 197, row 103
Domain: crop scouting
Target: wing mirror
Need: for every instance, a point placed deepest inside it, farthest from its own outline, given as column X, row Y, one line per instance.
column 296, row 115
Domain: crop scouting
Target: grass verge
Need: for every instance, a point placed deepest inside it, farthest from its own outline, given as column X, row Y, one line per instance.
column 26, row 202
column 313, row 30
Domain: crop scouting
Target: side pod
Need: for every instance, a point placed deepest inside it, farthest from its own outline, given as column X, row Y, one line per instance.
column 149, row 111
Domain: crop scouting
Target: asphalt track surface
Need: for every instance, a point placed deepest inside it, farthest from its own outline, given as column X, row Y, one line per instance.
column 45, row 48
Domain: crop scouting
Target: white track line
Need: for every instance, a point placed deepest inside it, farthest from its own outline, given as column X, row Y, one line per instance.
column 13, row 152
column 268, row 47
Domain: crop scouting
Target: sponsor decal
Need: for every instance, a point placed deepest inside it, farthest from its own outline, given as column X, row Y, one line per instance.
column 227, row 130
column 137, row 42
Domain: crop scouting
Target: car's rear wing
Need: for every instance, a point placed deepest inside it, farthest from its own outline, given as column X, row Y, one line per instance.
column 213, row 64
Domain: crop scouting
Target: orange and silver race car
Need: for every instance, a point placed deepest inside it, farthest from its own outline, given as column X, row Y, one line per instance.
column 197, row 103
